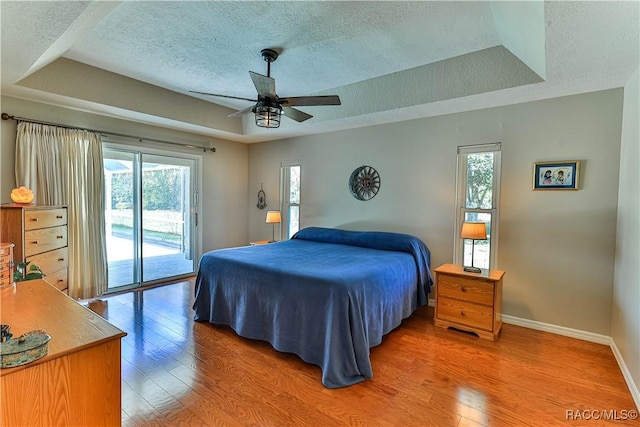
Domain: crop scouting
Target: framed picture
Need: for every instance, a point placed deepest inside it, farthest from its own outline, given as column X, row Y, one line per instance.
column 564, row 175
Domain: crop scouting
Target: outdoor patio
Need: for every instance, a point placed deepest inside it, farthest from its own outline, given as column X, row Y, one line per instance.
column 159, row 261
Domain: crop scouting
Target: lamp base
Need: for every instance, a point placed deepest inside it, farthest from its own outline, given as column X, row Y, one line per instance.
column 472, row 269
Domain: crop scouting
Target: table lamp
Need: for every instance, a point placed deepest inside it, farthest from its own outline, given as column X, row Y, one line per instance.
column 474, row 231
column 273, row 218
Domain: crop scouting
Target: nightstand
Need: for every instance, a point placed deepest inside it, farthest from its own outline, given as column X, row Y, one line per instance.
column 470, row 302
column 259, row 242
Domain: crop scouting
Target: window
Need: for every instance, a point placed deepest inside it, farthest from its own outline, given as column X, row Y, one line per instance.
column 478, row 190
column 290, row 196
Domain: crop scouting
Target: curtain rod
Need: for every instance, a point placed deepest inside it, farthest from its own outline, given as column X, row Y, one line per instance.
column 6, row 116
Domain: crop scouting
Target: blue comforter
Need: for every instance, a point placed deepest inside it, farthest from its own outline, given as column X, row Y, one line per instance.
column 326, row 295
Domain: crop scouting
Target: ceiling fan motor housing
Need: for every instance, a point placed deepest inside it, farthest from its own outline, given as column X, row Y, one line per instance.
column 269, row 55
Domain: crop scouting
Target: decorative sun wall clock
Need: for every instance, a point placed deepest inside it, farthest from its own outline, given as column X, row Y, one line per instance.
column 364, row 183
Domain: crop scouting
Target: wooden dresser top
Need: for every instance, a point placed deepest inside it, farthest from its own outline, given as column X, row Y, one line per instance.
column 35, row 304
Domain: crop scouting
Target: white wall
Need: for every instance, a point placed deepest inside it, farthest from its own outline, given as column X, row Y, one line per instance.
column 224, row 194
column 557, row 247
column 625, row 317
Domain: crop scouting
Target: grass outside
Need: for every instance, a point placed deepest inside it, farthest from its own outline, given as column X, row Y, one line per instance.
column 165, row 237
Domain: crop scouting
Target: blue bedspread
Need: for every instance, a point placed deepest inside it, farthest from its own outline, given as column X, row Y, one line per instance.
column 326, row 295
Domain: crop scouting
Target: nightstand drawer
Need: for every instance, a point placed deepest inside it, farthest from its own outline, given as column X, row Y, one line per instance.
column 461, row 288
column 465, row 313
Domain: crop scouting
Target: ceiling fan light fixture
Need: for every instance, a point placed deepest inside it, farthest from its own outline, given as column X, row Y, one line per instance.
column 268, row 114
column 268, row 109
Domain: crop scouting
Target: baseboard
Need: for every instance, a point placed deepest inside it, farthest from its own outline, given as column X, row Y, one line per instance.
column 585, row 336
column 558, row 330
column 635, row 393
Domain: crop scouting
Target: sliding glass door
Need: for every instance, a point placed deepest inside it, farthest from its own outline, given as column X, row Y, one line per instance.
column 150, row 217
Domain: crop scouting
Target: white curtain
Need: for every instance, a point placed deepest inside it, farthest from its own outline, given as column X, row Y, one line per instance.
column 64, row 167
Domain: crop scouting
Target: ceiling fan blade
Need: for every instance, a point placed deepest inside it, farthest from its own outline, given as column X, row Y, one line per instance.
column 241, row 112
column 224, row 96
column 311, row 100
column 297, row 115
column 266, row 86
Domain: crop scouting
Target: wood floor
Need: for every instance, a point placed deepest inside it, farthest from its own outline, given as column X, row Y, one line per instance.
column 176, row 372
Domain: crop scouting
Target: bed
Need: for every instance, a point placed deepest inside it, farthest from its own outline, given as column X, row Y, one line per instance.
column 326, row 295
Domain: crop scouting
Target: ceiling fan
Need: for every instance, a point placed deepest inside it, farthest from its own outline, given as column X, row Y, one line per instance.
column 269, row 107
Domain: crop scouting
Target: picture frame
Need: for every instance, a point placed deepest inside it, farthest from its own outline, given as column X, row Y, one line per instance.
column 557, row 175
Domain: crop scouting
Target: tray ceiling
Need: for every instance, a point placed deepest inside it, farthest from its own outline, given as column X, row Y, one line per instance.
column 388, row 61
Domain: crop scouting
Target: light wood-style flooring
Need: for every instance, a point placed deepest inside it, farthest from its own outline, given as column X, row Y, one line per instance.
column 177, row 372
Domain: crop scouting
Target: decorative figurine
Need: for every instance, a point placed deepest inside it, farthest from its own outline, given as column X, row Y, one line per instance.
column 262, row 199
column 6, row 334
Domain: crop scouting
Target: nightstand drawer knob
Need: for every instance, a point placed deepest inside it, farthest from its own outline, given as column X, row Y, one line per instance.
column 462, row 313
column 463, row 289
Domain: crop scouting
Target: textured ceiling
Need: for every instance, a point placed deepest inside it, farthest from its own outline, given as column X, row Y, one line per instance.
column 388, row 61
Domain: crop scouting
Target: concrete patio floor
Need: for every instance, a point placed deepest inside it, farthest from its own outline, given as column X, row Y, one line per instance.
column 158, row 262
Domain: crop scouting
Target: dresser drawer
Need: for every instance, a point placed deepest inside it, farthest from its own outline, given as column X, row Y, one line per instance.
column 461, row 288
column 5, row 273
column 5, row 282
column 44, row 218
column 466, row 313
column 58, row 279
column 5, row 250
column 50, row 262
column 45, row 239
column 6, row 260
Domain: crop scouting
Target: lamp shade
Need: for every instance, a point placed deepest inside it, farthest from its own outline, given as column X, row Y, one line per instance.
column 273, row 217
column 473, row 230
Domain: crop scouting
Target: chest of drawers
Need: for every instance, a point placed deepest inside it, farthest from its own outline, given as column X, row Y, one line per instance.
column 469, row 301
column 40, row 236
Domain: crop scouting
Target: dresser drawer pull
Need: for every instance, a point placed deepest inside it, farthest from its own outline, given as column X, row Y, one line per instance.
column 58, row 216
column 35, row 219
column 59, row 237
column 60, row 280
column 463, row 289
column 35, row 242
column 60, row 259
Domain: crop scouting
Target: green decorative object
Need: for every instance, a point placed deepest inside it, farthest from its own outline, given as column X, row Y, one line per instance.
column 24, row 349
column 24, row 271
